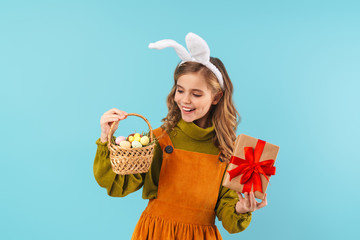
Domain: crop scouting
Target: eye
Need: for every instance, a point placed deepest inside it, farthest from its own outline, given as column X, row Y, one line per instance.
column 179, row 91
column 197, row 95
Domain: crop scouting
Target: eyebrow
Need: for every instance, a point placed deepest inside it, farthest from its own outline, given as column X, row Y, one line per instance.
column 197, row 90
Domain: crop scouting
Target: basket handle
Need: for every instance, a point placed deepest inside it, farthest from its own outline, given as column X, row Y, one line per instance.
column 132, row 114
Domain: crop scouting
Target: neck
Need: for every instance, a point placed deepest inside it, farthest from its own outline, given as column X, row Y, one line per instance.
column 201, row 124
column 204, row 122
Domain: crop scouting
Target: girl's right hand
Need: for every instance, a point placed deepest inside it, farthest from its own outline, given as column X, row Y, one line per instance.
column 107, row 119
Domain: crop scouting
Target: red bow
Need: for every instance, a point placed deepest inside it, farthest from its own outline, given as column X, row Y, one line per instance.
column 251, row 168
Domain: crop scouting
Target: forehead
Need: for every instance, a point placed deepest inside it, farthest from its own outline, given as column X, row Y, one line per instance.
column 193, row 81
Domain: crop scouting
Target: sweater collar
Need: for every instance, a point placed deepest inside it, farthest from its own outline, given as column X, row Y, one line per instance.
column 196, row 132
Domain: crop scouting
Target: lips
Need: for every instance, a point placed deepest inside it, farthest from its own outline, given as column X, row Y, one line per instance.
column 187, row 109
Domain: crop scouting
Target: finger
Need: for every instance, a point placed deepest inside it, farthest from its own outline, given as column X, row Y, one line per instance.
column 121, row 113
column 109, row 119
column 116, row 111
column 113, row 110
column 247, row 202
column 120, row 116
column 252, row 201
column 123, row 116
column 240, row 196
column 263, row 203
column 117, row 116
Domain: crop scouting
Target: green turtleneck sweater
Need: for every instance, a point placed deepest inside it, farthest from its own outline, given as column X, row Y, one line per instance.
column 186, row 136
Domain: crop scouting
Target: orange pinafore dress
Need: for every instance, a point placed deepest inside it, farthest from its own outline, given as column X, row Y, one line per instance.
column 188, row 189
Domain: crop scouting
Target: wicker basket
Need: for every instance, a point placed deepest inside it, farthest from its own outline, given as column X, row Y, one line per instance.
column 133, row 160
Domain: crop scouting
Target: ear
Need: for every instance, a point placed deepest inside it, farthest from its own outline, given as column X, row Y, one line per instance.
column 179, row 49
column 217, row 98
column 198, row 48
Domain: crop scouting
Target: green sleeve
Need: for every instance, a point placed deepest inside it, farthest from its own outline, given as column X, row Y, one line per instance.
column 225, row 211
column 116, row 185
column 151, row 181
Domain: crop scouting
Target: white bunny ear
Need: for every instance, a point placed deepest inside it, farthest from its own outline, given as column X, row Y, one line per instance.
column 198, row 52
column 198, row 48
column 179, row 49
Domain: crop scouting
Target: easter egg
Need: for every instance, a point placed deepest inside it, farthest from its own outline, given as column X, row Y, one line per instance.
column 144, row 140
column 137, row 138
column 131, row 138
column 136, row 135
column 136, row 144
column 125, row 144
column 120, row 139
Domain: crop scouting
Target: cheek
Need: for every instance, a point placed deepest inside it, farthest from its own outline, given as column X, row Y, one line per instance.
column 176, row 98
column 206, row 103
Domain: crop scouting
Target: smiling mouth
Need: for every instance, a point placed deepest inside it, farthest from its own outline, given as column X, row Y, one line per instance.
column 188, row 110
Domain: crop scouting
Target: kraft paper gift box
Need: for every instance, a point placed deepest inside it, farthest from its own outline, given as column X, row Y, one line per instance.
column 251, row 166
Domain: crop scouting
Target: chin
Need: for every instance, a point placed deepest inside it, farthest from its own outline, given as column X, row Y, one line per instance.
column 186, row 119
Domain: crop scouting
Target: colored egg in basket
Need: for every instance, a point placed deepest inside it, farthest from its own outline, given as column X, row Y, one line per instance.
column 135, row 140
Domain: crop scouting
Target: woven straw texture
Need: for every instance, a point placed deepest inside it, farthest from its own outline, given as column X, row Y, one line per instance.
column 133, row 160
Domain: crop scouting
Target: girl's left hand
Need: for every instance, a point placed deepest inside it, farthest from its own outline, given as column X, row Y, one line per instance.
column 248, row 203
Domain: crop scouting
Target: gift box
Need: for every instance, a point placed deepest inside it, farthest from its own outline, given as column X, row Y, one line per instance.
column 251, row 165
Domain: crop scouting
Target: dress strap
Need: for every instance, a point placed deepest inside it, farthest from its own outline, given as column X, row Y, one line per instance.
column 162, row 137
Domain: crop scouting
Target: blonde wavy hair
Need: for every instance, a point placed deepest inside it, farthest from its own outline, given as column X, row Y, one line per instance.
column 223, row 115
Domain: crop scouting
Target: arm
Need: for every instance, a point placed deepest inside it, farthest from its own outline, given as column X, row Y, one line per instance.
column 151, row 179
column 225, row 211
column 116, row 185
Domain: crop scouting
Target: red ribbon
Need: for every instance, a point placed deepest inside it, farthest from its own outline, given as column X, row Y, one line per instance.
column 251, row 168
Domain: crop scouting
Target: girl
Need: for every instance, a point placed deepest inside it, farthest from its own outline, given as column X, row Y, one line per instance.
column 195, row 142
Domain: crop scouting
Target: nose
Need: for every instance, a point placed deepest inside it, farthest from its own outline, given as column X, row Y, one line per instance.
column 187, row 99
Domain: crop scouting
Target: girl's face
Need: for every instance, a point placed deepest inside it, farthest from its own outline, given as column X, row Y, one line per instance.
column 194, row 98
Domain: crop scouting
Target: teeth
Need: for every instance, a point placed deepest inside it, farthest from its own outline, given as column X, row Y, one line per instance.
column 187, row 109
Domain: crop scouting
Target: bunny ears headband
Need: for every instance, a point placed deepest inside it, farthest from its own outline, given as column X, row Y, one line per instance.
column 198, row 52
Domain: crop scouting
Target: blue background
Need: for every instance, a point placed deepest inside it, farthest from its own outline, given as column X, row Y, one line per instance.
column 295, row 69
